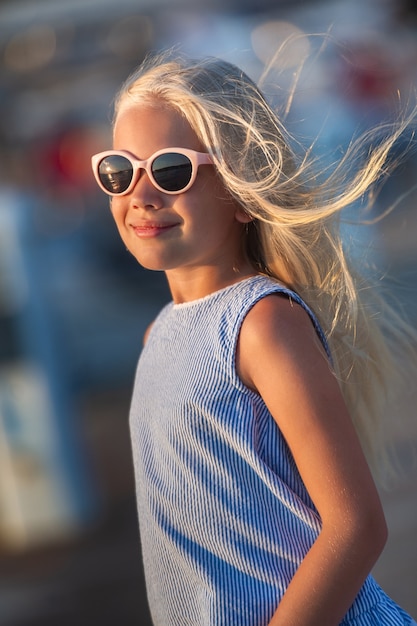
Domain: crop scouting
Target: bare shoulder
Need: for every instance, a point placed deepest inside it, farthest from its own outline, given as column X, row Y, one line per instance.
column 146, row 334
column 277, row 313
column 277, row 331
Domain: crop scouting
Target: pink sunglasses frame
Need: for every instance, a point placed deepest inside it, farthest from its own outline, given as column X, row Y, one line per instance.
column 196, row 159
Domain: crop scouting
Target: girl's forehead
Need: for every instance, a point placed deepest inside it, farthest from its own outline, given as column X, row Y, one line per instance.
column 158, row 115
column 156, row 124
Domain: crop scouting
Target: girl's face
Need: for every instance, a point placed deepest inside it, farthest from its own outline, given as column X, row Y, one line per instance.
column 195, row 231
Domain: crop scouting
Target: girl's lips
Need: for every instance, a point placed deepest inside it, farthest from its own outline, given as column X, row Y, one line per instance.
column 146, row 231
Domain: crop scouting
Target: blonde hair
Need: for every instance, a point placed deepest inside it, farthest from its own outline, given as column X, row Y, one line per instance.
column 294, row 236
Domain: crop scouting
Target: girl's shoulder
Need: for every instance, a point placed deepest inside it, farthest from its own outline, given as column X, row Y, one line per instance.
column 286, row 314
column 147, row 332
column 279, row 328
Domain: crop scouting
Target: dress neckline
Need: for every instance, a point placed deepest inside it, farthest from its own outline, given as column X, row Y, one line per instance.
column 214, row 294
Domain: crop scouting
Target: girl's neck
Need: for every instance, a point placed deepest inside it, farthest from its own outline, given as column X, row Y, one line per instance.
column 201, row 282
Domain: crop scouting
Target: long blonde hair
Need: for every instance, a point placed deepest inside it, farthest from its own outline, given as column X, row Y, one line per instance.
column 294, row 236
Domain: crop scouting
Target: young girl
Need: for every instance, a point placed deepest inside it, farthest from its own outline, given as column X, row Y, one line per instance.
column 256, row 503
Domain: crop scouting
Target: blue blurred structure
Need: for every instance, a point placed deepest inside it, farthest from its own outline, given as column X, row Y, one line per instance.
column 45, row 460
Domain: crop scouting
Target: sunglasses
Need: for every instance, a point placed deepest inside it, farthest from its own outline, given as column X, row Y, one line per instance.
column 172, row 170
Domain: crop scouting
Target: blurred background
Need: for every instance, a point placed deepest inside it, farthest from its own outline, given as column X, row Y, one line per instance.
column 74, row 305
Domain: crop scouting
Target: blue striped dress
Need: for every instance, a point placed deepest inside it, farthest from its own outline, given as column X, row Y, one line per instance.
column 225, row 519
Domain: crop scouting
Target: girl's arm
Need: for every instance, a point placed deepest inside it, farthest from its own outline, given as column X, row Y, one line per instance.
column 280, row 356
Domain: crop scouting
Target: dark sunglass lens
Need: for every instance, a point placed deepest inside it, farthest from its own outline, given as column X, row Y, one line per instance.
column 172, row 171
column 115, row 173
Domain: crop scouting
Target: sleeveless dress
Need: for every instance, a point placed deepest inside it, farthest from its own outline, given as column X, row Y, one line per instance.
column 225, row 519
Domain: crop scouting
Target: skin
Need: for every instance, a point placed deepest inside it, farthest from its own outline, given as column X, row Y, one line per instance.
column 196, row 238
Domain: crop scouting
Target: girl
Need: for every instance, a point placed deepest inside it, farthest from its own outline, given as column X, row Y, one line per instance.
column 256, row 503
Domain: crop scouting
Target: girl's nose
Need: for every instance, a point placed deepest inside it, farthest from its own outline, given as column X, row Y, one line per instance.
column 144, row 194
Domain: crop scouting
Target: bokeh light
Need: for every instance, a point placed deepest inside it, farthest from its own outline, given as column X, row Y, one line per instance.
column 280, row 44
column 31, row 49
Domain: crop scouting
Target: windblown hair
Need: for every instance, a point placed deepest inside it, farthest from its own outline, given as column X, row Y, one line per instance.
column 294, row 236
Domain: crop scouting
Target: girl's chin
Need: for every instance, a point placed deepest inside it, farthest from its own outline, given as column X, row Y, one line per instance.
column 153, row 264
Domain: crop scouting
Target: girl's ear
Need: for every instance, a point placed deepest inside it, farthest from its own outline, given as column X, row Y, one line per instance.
column 241, row 216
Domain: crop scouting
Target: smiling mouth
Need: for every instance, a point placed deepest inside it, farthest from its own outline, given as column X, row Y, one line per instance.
column 146, row 231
